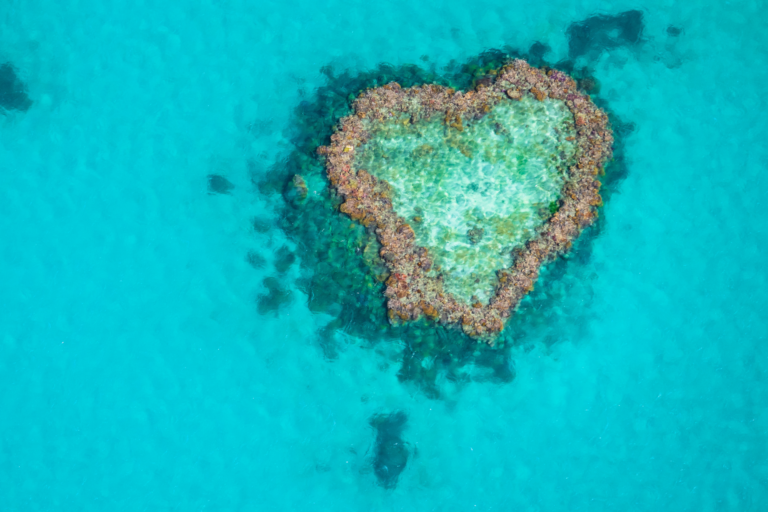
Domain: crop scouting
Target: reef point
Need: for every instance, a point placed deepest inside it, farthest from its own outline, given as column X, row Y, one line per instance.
column 470, row 193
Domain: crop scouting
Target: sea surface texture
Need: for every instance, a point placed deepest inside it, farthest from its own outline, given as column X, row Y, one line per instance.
column 160, row 348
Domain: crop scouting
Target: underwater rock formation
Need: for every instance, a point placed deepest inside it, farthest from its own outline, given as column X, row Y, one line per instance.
column 603, row 32
column 13, row 94
column 391, row 452
column 277, row 297
column 532, row 146
column 219, row 184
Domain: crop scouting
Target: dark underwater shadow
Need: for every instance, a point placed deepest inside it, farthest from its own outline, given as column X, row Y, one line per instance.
column 13, row 93
column 390, row 451
column 601, row 32
column 340, row 269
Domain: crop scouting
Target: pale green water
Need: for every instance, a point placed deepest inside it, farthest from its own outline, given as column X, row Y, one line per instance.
column 498, row 175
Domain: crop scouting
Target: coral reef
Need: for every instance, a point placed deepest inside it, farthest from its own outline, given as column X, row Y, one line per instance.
column 339, row 269
column 415, row 288
column 277, row 297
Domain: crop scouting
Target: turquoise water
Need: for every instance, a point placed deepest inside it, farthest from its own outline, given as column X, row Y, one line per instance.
column 139, row 374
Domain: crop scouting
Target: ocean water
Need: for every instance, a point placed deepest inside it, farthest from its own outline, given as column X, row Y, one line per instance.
column 140, row 368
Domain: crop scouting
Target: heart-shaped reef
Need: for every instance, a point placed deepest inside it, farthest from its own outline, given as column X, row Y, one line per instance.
column 470, row 193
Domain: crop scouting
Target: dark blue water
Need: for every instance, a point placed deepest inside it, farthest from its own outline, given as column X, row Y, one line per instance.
column 141, row 367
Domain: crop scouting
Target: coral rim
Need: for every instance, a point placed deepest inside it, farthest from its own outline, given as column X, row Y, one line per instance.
column 410, row 289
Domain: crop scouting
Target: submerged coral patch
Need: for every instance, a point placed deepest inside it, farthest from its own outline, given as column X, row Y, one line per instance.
column 469, row 193
column 219, row 184
column 13, row 94
column 391, row 452
column 600, row 32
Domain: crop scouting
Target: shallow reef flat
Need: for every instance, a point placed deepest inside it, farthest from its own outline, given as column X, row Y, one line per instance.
column 473, row 196
column 470, row 193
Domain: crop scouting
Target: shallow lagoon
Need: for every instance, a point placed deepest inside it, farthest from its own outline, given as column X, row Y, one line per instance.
column 475, row 195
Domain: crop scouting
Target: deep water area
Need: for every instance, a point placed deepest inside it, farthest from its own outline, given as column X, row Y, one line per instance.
column 189, row 323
